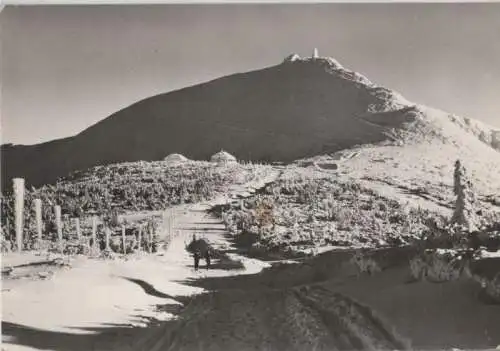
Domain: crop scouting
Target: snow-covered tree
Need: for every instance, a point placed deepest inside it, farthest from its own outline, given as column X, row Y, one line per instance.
column 464, row 214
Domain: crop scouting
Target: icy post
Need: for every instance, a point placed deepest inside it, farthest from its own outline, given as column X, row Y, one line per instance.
column 107, row 234
column 139, row 239
column 38, row 217
column 150, row 240
column 19, row 211
column 124, row 242
column 94, row 231
column 172, row 222
column 57, row 211
column 168, row 221
column 78, row 230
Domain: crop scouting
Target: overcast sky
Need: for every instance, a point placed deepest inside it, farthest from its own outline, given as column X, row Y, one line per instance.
column 64, row 68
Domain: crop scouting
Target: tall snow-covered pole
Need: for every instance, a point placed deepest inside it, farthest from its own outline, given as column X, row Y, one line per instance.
column 94, row 232
column 38, row 217
column 18, row 184
column 57, row 211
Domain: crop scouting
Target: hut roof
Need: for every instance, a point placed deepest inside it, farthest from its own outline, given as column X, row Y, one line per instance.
column 174, row 158
column 223, row 156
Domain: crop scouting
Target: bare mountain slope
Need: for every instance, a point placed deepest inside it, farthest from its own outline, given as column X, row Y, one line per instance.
column 300, row 108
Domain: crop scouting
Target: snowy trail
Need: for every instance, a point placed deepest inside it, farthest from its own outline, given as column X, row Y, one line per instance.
column 299, row 318
column 94, row 294
column 99, row 305
column 306, row 318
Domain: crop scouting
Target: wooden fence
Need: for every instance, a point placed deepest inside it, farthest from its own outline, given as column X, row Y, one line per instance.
column 19, row 208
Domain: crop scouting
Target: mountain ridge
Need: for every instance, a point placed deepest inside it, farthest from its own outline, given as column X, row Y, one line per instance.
column 249, row 114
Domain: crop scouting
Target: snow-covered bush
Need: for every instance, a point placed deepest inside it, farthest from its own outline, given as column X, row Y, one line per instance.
column 464, row 214
column 492, row 288
column 365, row 263
column 437, row 266
column 302, row 212
column 120, row 187
column 6, row 245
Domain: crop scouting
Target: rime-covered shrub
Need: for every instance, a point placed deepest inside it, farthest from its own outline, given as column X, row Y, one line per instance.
column 6, row 245
column 365, row 263
column 303, row 212
column 104, row 191
column 464, row 214
column 437, row 266
column 492, row 288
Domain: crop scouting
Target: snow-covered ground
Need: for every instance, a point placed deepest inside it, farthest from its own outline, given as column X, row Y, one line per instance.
column 93, row 294
column 105, row 304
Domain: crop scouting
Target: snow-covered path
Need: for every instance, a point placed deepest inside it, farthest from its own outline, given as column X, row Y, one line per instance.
column 93, row 294
column 100, row 305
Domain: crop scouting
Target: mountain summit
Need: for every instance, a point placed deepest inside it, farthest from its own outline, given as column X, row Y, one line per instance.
column 299, row 108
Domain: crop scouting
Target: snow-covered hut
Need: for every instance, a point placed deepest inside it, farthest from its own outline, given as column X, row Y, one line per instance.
column 174, row 159
column 223, row 157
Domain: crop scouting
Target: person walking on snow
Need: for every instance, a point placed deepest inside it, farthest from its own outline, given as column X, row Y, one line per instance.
column 196, row 257
column 199, row 248
column 207, row 258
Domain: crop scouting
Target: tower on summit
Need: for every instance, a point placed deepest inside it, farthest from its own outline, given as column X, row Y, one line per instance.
column 315, row 53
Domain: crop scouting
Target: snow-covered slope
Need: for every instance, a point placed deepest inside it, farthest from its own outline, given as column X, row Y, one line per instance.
column 299, row 108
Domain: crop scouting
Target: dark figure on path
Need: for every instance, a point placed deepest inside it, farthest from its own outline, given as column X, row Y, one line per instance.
column 207, row 258
column 199, row 248
column 197, row 257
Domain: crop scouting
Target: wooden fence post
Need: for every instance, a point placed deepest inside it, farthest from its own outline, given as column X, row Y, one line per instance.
column 123, row 240
column 78, row 229
column 139, row 239
column 94, row 231
column 18, row 184
column 38, row 218
column 172, row 219
column 7, row 225
column 107, row 235
column 168, row 220
column 150, row 239
column 57, row 210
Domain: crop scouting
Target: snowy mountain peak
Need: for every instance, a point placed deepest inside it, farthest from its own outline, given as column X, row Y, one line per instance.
column 328, row 62
column 291, row 58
